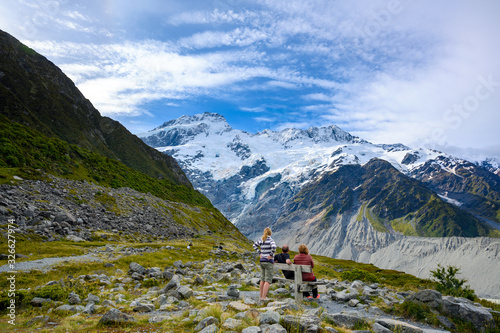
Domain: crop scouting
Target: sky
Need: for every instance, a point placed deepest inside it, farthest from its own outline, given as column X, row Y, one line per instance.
column 422, row 73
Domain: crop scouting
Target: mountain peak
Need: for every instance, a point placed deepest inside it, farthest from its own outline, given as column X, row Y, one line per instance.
column 206, row 117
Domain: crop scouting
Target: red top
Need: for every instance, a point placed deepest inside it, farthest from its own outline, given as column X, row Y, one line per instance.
column 305, row 259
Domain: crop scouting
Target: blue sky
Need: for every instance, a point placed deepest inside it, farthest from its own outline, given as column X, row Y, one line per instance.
column 416, row 72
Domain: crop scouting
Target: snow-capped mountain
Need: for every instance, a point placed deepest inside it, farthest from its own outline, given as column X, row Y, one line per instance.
column 237, row 169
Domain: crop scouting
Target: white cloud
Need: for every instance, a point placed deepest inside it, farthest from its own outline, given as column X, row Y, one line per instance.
column 388, row 73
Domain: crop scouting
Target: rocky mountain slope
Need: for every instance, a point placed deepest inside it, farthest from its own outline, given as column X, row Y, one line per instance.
column 61, row 209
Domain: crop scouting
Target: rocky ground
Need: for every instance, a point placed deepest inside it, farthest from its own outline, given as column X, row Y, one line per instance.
column 212, row 296
column 75, row 210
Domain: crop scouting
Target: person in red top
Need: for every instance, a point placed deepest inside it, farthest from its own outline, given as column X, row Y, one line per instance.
column 303, row 258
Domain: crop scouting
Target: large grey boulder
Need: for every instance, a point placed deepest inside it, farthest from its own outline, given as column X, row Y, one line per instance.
column 185, row 292
column 115, row 316
column 232, row 324
column 174, row 283
column 252, row 329
column 429, row 297
column 269, row 317
column 136, row 268
column 210, row 329
column 93, row 298
column 144, row 308
column 478, row 316
column 208, row 321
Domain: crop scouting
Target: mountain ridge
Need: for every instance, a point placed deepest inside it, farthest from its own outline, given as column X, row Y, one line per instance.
column 236, row 169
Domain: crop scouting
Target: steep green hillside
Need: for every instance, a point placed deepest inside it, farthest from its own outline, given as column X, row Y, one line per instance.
column 37, row 94
column 27, row 150
column 387, row 198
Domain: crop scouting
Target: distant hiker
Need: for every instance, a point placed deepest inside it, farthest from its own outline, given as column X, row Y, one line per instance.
column 266, row 252
column 284, row 258
column 303, row 258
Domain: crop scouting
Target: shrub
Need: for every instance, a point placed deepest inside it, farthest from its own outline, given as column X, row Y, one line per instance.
column 54, row 292
column 449, row 284
column 359, row 274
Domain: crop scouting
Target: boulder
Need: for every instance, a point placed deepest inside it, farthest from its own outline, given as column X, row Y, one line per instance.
column 238, row 306
column 136, row 268
column 74, row 238
column 90, row 308
column 115, row 316
column 252, row 329
column 144, row 308
column 178, row 264
column 232, row 324
column 233, row 291
column 377, row 328
column 478, row 316
column 174, row 283
column 185, row 292
column 269, row 317
column 429, row 297
column 93, row 298
column 205, row 323
column 210, row 329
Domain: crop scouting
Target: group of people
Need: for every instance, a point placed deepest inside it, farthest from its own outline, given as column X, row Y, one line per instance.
column 266, row 247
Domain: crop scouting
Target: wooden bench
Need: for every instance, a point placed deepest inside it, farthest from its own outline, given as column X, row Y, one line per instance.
column 299, row 286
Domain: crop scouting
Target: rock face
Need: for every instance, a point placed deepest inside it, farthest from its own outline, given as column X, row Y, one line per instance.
column 68, row 209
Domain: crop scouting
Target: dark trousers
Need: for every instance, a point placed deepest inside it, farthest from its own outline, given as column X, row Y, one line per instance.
column 315, row 291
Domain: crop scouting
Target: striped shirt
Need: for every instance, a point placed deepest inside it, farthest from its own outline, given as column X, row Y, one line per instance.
column 267, row 248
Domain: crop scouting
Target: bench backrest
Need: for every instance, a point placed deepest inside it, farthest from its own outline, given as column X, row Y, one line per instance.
column 292, row 267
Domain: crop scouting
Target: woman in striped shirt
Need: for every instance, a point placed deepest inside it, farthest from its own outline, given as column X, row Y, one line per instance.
column 267, row 248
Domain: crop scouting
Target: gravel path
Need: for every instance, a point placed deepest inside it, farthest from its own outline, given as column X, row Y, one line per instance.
column 46, row 263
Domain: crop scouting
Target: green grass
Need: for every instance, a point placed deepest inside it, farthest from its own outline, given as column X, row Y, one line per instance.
column 376, row 222
column 361, row 213
column 404, row 225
